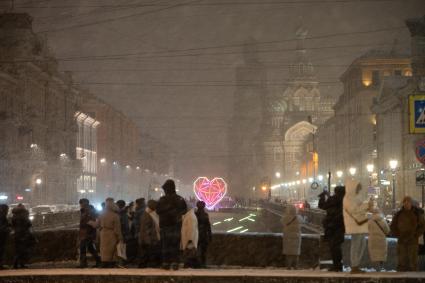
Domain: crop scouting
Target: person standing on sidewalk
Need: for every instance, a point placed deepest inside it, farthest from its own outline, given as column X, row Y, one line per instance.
column 356, row 221
column 87, row 233
column 408, row 225
column 4, row 231
column 204, row 230
column 377, row 241
column 291, row 237
column 170, row 210
column 334, row 224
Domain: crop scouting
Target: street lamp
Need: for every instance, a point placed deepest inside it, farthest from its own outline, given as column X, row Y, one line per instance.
column 38, row 181
column 277, row 174
column 393, row 166
column 352, row 171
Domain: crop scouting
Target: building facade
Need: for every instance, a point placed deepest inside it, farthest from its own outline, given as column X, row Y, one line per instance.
column 58, row 142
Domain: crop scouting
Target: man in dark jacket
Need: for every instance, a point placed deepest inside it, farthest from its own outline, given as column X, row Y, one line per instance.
column 334, row 224
column 170, row 210
column 204, row 232
column 139, row 210
column 87, row 233
column 408, row 225
column 4, row 231
column 23, row 237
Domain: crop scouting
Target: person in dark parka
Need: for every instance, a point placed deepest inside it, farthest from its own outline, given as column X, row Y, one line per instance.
column 408, row 225
column 334, row 224
column 23, row 238
column 204, row 231
column 4, row 231
column 170, row 210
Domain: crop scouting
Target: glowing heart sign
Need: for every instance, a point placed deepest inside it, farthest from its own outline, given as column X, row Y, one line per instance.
column 211, row 192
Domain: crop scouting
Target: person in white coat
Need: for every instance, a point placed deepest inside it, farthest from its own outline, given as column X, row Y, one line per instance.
column 377, row 243
column 291, row 236
column 189, row 238
column 355, row 208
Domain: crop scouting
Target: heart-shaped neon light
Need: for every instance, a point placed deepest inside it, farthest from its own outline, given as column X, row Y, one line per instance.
column 211, row 192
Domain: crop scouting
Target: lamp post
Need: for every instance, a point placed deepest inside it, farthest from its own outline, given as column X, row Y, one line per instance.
column 393, row 166
column 369, row 169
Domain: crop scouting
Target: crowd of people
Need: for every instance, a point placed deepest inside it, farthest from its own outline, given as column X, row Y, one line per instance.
column 153, row 234
column 347, row 214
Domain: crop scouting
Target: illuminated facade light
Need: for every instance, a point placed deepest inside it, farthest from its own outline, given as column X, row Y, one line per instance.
column 128, row 166
column 393, row 164
column 137, row 168
column 339, row 173
column 38, row 181
column 370, row 168
column 298, row 182
column 115, row 163
column 277, row 174
column 33, row 145
column 320, row 178
column 304, row 181
column 352, row 171
column 62, row 155
column 103, row 160
column 310, row 180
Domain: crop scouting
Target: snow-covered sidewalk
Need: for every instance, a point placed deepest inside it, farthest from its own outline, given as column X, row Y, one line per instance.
column 242, row 272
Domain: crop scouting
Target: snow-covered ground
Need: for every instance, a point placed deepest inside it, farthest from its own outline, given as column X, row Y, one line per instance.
column 237, row 272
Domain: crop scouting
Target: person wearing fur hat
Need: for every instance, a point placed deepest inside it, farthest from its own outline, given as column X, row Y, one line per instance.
column 149, row 237
column 170, row 210
column 356, row 221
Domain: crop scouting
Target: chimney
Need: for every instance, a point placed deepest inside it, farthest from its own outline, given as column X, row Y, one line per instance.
column 417, row 32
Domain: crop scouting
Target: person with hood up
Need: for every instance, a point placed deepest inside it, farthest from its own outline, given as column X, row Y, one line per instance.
column 204, row 230
column 170, row 210
column 87, row 233
column 149, row 237
column 291, row 237
column 189, row 239
column 408, row 225
column 334, row 224
column 4, row 231
column 377, row 240
column 23, row 237
column 110, row 233
column 356, row 221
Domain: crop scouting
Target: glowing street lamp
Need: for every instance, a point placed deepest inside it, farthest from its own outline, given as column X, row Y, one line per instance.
column 352, row 171
column 103, row 160
column 38, row 181
column 370, row 168
column 393, row 166
column 277, row 174
column 320, row 178
column 304, row 181
column 339, row 174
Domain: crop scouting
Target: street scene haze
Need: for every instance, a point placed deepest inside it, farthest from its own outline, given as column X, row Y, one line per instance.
column 158, row 140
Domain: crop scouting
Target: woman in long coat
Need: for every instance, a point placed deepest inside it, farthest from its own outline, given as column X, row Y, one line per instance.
column 377, row 242
column 110, row 234
column 291, row 236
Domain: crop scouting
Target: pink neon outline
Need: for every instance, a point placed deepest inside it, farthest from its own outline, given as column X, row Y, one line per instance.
column 210, row 207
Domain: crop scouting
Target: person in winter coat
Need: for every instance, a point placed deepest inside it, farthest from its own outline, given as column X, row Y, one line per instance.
column 139, row 210
column 291, row 236
column 189, row 239
column 334, row 224
column 87, row 233
column 23, row 237
column 377, row 241
column 356, row 221
column 110, row 233
column 408, row 225
column 149, row 237
column 122, row 213
column 170, row 209
column 204, row 230
column 4, row 231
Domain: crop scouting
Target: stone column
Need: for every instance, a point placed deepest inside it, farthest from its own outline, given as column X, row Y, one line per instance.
column 417, row 31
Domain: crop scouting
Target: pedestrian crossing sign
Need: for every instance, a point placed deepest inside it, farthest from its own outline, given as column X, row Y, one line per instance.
column 417, row 113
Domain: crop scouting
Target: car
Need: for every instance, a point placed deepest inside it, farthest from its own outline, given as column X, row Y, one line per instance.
column 42, row 209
